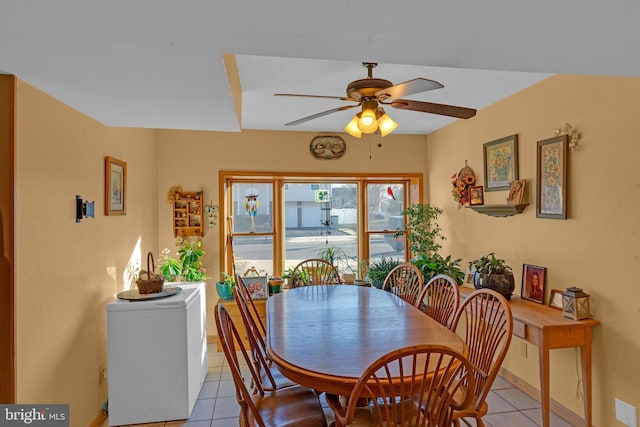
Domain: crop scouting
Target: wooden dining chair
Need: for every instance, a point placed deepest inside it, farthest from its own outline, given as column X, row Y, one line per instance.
column 486, row 322
column 246, row 296
column 417, row 386
column 405, row 280
column 270, row 376
column 314, row 271
column 440, row 299
column 287, row 407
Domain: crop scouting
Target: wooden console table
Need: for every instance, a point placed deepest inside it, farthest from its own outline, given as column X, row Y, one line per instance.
column 233, row 310
column 547, row 328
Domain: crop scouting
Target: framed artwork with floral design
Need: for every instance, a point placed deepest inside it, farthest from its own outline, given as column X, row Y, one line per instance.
column 500, row 163
column 551, row 191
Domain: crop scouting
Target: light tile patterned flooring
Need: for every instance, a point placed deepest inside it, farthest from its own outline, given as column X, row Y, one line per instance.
column 217, row 406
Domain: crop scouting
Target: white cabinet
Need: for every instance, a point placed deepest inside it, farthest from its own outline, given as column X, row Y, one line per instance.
column 157, row 353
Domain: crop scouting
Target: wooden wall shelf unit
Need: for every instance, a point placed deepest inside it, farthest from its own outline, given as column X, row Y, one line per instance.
column 547, row 329
column 499, row 210
column 187, row 213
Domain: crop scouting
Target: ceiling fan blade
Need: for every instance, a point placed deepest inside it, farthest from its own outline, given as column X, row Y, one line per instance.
column 429, row 107
column 408, row 88
column 315, row 116
column 342, row 98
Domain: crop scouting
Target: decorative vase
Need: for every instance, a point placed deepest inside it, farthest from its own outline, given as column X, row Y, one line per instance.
column 504, row 284
column 225, row 290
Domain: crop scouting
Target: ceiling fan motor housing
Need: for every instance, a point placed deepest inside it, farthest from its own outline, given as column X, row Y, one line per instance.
column 366, row 88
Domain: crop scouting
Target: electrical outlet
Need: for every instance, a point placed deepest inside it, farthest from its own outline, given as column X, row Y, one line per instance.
column 626, row 414
column 523, row 349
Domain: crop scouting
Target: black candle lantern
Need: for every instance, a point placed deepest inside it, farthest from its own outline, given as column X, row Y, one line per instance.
column 575, row 304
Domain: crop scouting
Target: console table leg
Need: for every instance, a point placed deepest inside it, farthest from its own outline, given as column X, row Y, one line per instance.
column 585, row 353
column 543, row 354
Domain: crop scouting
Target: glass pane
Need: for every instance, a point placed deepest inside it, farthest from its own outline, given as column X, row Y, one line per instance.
column 385, row 245
column 253, row 252
column 385, row 206
column 252, row 207
column 321, row 220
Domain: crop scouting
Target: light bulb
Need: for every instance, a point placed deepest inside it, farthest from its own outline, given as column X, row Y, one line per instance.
column 368, row 122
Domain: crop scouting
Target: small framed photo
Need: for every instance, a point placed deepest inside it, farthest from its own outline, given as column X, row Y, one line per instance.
column 115, row 187
column 257, row 286
column 555, row 299
column 516, row 192
column 476, row 195
column 533, row 283
column 468, row 276
column 551, row 191
column 500, row 163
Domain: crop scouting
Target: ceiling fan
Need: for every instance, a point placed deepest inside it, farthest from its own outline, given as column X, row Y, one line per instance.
column 371, row 93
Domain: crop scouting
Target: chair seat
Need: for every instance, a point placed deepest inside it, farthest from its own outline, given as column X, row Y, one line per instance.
column 290, row 407
column 280, row 380
column 365, row 416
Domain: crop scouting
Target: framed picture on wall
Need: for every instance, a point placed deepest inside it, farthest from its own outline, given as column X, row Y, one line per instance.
column 500, row 163
column 551, row 191
column 115, row 187
column 533, row 283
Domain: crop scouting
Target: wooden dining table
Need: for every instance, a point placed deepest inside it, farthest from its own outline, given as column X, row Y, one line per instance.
column 325, row 336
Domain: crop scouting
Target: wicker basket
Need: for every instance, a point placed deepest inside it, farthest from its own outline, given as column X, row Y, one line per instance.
column 149, row 282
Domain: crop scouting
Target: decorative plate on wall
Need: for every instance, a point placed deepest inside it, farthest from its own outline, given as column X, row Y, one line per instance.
column 327, row 147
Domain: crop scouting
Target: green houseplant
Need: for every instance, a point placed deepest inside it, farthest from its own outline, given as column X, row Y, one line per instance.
column 378, row 270
column 225, row 286
column 493, row 273
column 339, row 258
column 424, row 234
column 188, row 266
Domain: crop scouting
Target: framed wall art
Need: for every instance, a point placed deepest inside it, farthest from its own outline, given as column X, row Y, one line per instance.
column 500, row 163
column 551, row 189
column 533, row 283
column 115, row 187
column 476, row 195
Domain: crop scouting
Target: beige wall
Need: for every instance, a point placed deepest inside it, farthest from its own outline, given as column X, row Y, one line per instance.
column 193, row 159
column 67, row 272
column 595, row 249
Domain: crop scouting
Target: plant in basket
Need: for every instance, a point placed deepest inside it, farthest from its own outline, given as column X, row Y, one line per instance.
column 188, row 266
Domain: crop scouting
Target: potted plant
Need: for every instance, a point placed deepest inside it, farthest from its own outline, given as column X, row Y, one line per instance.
column 225, row 286
column 378, row 270
column 338, row 257
column 424, row 234
column 188, row 266
column 434, row 264
column 493, row 273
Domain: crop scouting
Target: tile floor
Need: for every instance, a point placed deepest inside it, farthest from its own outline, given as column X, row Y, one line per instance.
column 217, row 406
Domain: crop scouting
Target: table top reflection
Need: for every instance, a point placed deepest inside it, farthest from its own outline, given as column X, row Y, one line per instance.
column 325, row 336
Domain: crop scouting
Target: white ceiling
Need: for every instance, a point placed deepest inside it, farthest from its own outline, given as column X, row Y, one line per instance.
column 158, row 63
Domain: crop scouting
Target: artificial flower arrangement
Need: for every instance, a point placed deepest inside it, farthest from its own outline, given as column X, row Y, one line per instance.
column 461, row 182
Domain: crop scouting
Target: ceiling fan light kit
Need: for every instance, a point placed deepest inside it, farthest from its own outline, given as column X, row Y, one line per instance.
column 371, row 92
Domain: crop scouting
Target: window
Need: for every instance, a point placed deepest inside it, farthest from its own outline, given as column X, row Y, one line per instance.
column 275, row 221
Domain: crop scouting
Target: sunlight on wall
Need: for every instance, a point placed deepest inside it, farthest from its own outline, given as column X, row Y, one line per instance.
column 131, row 270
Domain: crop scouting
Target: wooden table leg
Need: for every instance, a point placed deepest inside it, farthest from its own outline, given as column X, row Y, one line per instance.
column 585, row 353
column 543, row 355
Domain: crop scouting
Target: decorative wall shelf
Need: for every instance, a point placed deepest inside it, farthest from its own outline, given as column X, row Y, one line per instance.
column 499, row 210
